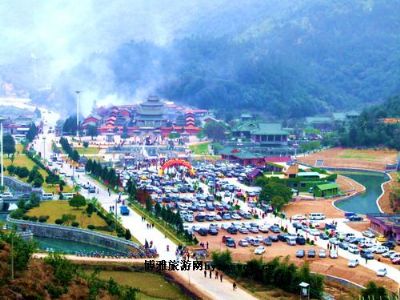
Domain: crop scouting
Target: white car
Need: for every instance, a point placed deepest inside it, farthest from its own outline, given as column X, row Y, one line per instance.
column 368, row 234
column 314, row 232
column 263, row 229
column 298, row 217
column 322, row 253
column 353, row 263
column 333, row 254
column 225, row 226
column 395, row 255
column 381, row 272
column 218, row 218
column 389, row 253
column 243, row 243
column 259, row 250
column 236, row 217
column 381, row 249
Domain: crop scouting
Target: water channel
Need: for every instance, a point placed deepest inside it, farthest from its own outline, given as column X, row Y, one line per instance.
column 365, row 202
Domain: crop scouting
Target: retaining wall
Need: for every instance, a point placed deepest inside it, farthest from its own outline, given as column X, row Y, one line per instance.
column 77, row 235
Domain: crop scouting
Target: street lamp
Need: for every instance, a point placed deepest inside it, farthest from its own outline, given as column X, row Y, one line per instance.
column 304, row 290
column 44, row 148
column 77, row 113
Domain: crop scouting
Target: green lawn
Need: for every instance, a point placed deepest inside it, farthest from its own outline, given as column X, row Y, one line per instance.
column 88, row 150
column 151, row 285
column 55, row 209
column 357, row 154
column 21, row 160
column 200, row 149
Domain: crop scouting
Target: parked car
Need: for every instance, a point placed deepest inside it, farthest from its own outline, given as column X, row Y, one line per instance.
column 353, row 263
column 381, row 272
column 259, row 250
column 263, row 229
column 367, row 254
column 203, row 231
column 389, row 253
column 275, row 229
column 390, row 244
column 232, row 230
column 213, row 231
column 381, row 238
column 267, row 241
column 381, row 249
column 368, row 234
column 243, row 230
column 274, row 238
column 355, row 218
column 311, row 253
column 300, row 253
column 322, row 253
column 300, row 240
column 333, row 254
column 343, row 245
column 396, row 261
column 230, row 242
column 243, row 243
column 323, row 236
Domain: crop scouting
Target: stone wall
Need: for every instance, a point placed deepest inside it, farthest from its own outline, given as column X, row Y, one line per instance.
column 78, row 235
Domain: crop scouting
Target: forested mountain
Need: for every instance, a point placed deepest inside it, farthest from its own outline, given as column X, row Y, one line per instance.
column 280, row 57
column 301, row 58
column 377, row 126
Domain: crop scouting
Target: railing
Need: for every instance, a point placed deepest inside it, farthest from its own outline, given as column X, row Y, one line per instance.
column 78, row 230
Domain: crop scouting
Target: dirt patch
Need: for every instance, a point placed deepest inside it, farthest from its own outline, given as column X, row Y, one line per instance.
column 359, row 226
column 352, row 158
column 335, row 267
column 384, row 201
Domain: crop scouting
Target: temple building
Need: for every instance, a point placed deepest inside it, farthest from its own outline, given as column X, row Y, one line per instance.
column 150, row 114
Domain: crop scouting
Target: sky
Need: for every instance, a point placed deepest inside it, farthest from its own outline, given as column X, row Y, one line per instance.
column 42, row 41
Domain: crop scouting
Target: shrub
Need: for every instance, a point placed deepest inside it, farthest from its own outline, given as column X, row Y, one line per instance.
column 91, row 227
column 43, row 219
column 59, row 221
column 25, row 217
column 75, row 224
column 17, row 214
column 33, row 219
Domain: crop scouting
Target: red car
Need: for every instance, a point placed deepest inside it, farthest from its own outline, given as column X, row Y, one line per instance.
column 396, row 261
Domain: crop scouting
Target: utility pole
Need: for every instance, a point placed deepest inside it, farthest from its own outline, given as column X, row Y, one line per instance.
column 44, row 148
column 2, row 155
column 77, row 113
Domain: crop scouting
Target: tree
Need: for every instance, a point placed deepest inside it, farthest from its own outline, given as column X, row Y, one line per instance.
column 85, row 144
column 69, row 125
column 77, row 201
column 32, row 132
column 9, row 144
column 128, row 234
column 215, row 130
column 92, row 131
column 222, row 260
column 22, row 251
column 149, row 204
column 373, row 291
column 278, row 202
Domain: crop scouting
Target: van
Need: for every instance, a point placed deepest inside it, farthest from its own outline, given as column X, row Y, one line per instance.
column 47, row 196
column 291, row 240
column 317, row 216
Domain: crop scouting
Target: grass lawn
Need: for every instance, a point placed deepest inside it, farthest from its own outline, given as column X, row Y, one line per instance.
column 55, row 209
column 152, row 286
column 88, row 150
column 200, row 149
column 357, row 154
column 21, row 160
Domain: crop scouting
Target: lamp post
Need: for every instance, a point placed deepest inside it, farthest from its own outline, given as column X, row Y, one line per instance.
column 77, row 113
column 44, row 148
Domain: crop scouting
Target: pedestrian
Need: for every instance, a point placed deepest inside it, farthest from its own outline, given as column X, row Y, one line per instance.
column 366, row 260
column 220, row 277
column 205, row 273
column 216, row 274
column 207, row 245
column 210, row 273
column 234, row 286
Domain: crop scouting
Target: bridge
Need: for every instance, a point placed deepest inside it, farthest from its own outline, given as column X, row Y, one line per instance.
column 18, row 190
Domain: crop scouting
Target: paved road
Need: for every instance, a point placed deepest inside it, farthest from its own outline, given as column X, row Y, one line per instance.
column 213, row 288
